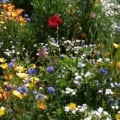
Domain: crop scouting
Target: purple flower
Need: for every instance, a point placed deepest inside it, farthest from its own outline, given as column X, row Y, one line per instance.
column 50, row 69
column 103, row 71
column 27, row 81
column 22, row 89
column 32, row 71
column 4, row 1
column 13, row 60
column 42, row 53
column 28, row 19
column 8, row 88
column 51, row 90
column 11, row 65
column 34, row 92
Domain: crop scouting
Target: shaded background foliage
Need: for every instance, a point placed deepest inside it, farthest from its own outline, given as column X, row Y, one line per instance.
column 24, row 4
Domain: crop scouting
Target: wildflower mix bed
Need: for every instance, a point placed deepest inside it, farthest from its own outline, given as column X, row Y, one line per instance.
column 60, row 79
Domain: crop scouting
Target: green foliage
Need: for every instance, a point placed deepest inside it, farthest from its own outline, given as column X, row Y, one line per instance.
column 17, row 37
column 24, row 4
column 84, row 79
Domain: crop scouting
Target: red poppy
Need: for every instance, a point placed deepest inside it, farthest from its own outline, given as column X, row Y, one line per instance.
column 54, row 21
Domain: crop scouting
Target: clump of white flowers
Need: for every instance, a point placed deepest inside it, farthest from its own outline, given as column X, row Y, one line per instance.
column 85, row 113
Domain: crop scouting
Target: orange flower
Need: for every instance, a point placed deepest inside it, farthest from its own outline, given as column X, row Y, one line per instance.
column 9, row 14
column 11, row 7
column 19, row 11
column 42, row 106
column 5, row 6
column 20, row 19
column 5, row 94
column 1, row 97
column 107, row 54
column 22, row 111
column 8, row 76
column 83, row 35
column 14, row 14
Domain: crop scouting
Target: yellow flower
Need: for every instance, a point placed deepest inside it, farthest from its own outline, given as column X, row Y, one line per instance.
column 33, row 65
column 115, row 45
column 17, row 94
column 96, row 2
column 72, row 106
column 1, row 90
column 42, row 106
column 2, row 111
column 118, row 64
column 6, row 83
column 34, row 79
column 118, row 116
column 4, row 66
column 114, row 94
column 46, row 97
column 2, row 60
column 42, row 68
column 20, row 69
column 22, row 75
column 5, row 28
column 100, row 45
column 2, row 22
column 33, row 82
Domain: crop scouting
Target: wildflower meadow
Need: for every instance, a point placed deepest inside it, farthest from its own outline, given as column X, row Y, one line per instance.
column 59, row 60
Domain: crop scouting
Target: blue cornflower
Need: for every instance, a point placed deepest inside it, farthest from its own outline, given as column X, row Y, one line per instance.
column 31, row 71
column 11, row 65
column 50, row 69
column 103, row 71
column 22, row 89
column 51, row 90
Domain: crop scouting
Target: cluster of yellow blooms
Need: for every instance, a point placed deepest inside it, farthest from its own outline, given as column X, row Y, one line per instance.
column 20, row 73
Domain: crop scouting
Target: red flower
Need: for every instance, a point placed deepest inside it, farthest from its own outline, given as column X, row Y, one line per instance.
column 54, row 21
